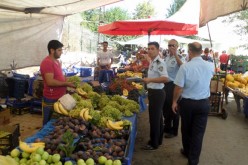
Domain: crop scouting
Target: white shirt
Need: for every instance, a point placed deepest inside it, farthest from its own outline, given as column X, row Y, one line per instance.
column 104, row 57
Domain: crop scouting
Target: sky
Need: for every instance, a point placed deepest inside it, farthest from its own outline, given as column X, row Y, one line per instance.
column 160, row 6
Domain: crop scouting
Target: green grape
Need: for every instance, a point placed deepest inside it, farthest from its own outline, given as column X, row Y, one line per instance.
column 75, row 79
column 103, row 101
column 84, row 104
column 76, row 97
column 109, row 111
column 128, row 113
column 86, row 87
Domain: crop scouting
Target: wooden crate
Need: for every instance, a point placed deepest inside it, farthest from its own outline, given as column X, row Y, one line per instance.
column 214, row 88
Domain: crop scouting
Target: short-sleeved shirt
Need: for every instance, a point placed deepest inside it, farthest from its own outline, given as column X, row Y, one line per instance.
column 194, row 77
column 50, row 66
column 157, row 68
column 223, row 58
column 172, row 66
column 104, row 57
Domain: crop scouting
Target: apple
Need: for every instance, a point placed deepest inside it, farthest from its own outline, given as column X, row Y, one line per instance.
column 25, row 155
column 23, row 160
column 109, row 162
column 102, row 159
column 117, row 162
column 68, row 163
column 56, row 158
column 49, row 159
column 15, row 153
column 40, row 150
column 45, row 156
column 42, row 162
column 90, row 161
column 36, row 157
column 58, row 163
column 80, row 162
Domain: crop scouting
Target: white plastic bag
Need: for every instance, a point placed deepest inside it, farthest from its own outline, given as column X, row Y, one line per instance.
column 67, row 101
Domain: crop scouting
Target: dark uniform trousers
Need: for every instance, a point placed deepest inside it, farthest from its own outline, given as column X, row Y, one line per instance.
column 171, row 120
column 156, row 99
column 194, row 115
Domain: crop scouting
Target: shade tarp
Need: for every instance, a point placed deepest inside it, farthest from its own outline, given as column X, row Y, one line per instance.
column 27, row 26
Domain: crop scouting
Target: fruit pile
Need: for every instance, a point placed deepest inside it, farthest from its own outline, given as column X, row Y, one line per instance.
column 236, row 81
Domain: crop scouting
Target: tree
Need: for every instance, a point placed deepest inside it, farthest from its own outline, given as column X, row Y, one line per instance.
column 241, row 19
column 174, row 7
column 144, row 10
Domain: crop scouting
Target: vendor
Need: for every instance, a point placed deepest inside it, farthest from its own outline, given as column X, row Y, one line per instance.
column 54, row 81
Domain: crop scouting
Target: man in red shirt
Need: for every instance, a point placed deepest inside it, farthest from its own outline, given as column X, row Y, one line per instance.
column 223, row 60
column 54, row 80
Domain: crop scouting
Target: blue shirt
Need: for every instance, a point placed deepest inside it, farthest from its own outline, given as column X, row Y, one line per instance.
column 194, row 77
column 172, row 66
column 157, row 68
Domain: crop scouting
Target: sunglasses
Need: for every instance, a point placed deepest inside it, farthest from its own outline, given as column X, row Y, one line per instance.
column 172, row 45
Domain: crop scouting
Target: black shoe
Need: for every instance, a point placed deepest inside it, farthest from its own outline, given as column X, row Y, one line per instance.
column 169, row 136
column 149, row 143
column 149, row 148
column 183, row 153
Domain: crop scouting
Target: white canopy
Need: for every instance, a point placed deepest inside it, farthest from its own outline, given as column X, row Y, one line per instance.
column 27, row 26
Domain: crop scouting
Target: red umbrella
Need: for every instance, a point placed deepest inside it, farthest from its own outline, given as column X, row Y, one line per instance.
column 148, row 27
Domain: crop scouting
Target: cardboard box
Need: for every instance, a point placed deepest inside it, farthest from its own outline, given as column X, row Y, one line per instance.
column 5, row 117
column 214, row 88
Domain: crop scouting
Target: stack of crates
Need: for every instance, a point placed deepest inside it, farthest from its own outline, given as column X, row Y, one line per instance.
column 239, row 64
column 9, row 138
column 17, row 87
column 3, row 88
column 215, row 99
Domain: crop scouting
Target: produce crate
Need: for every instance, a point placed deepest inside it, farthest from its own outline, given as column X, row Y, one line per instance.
column 214, row 88
column 5, row 117
column 11, row 140
column 215, row 99
column 3, row 87
column 18, row 106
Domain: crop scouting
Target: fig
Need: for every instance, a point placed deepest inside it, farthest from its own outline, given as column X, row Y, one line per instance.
column 121, row 154
column 80, row 153
column 114, row 154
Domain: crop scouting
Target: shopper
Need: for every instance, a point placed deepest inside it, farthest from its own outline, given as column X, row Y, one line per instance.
column 207, row 56
column 157, row 76
column 223, row 60
column 192, row 85
column 173, row 62
column 54, row 81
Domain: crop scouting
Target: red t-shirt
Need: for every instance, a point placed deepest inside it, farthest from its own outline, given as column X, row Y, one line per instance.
column 223, row 58
column 50, row 66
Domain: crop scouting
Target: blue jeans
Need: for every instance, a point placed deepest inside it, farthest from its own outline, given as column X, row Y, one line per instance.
column 47, row 109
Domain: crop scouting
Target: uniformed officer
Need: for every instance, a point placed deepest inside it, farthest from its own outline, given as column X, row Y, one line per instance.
column 173, row 62
column 157, row 76
column 192, row 85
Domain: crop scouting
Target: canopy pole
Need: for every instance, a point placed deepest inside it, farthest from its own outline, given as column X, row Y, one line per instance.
column 149, row 35
column 211, row 45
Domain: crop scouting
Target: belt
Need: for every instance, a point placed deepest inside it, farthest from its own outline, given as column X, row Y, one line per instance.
column 186, row 99
column 150, row 89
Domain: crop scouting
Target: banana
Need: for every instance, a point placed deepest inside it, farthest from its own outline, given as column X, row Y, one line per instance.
column 82, row 113
column 7, row 160
column 114, row 126
column 120, row 123
column 56, row 107
column 81, row 92
column 30, row 147
column 62, row 109
column 86, row 114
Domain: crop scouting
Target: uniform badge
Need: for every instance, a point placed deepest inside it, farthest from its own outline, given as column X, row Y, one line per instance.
column 161, row 68
column 173, row 62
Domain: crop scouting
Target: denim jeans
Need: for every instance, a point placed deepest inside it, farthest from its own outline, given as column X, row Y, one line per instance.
column 47, row 109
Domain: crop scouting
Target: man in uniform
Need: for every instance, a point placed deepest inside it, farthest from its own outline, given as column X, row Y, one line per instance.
column 173, row 62
column 157, row 76
column 191, row 93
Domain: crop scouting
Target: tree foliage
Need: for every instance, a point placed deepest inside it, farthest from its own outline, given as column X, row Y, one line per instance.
column 144, row 10
column 241, row 28
column 174, row 7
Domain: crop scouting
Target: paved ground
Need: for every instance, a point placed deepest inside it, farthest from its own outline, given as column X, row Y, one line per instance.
column 225, row 143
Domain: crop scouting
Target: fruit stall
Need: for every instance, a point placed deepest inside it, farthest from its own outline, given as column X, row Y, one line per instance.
column 93, row 128
column 237, row 84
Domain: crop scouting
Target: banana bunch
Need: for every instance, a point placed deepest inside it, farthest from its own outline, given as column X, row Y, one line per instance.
column 114, row 125
column 84, row 114
column 58, row 107
column 138, row 74
column 137, row 85
column 129, row 74
column 7, row 160
column 81, row 92
column 30, row 147
column 121, row 75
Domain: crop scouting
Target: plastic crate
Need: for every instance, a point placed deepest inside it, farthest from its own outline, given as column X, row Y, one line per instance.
column 17, row 87
column 215, row 102
column 18, row 106
column 3, row 87
column 11, row 141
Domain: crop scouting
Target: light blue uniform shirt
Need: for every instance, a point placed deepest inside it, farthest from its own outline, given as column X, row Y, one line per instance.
column 157, row 68
column 194, row 77
column 172, row 66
